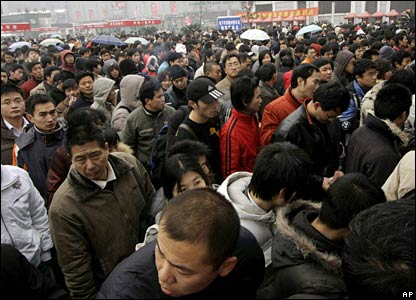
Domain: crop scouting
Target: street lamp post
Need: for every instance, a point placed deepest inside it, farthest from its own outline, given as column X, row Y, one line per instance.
column 247, row 5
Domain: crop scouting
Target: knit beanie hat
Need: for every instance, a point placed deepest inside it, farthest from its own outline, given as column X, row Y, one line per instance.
column 127, row 67
column 386, row 52
column 177, row 72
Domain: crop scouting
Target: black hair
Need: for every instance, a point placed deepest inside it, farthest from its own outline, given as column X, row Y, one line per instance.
column 91, row 64
column 262, row 54
column 392, row 100
column 32, row 64
column 36, row 99
column 382, row 66
column 378, row 259
column 361, row 66
column 369, row 53
column 331, row 96
column 82, row 134
column 303, row 71
column 399, row 56
column 11, row 88
column 266, row 71
column 346, row 197
column 148, row 89
column 81, row 75
column 174, row 169
column 48, row 70
column 405, row 77
column 242, row 92
column 185, row 219
column 278, row 166
column 69, row 83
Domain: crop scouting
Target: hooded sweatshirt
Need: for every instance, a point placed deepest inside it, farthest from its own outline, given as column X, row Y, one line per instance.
column 252, row 217
column 343, row 57
column 129, row 91
column 64, row 65
column 102, row 88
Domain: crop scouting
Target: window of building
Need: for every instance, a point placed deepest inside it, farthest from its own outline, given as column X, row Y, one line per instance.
column 343, row 6
column 371, row 6
column 325, row 7
column 301, row 4
column 264, row 7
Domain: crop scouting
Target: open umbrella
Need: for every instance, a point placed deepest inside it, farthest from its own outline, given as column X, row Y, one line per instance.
column 107, row 40
column 49, row 42
column 14, row 46
column 308, row 29
column 132, row 40
column 255, row 35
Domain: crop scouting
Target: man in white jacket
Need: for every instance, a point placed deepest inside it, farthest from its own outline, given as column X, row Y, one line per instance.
column 280, row 171
column 24, row 221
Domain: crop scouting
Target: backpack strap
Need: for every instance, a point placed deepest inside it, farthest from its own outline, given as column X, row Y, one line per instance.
column 189, row 129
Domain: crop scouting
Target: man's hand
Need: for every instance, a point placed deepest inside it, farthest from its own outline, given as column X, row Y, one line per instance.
column 328, row 181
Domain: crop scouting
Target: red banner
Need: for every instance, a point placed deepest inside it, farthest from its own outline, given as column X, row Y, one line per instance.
column 15, row 27
column 121, row 23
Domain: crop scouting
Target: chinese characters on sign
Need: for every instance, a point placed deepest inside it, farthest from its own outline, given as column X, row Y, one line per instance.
column 233, row 23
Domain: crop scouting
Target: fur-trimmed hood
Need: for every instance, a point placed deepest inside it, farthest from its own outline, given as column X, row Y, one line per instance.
column 396, row 131
column 292, row 246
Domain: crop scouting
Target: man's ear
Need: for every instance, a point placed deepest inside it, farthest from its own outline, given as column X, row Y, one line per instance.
column 29, row 117
column 227, row 266
column 192, row 104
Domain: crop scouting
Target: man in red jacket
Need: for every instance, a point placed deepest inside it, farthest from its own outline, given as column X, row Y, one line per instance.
column 305, row 81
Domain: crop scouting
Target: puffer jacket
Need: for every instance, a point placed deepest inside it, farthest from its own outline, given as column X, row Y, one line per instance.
column 402, row 180
column 374, row 149
column 24, row 221
column 102, row 88
column 129, row 91
column 304, row 261
column 259, row 222
column 94, row 229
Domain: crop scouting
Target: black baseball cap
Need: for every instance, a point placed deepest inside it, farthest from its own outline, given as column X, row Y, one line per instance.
column 203, row 88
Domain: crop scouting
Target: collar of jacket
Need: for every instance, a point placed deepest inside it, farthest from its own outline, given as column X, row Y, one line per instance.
column 300, row 102
column 244, row 117
column 307, row 115
column 388, row 127
column 84, row 188
column 150, row 114
column 305, row 245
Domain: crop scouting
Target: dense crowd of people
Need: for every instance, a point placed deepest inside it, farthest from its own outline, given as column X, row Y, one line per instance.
column 204, row 165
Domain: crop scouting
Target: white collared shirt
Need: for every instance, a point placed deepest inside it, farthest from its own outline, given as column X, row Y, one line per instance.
column 110, row 177
column 16, row 132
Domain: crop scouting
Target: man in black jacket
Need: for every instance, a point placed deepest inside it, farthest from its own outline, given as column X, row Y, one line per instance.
column 314, row 127
column 201, row 252
column 374, row 147
column 306, row 250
